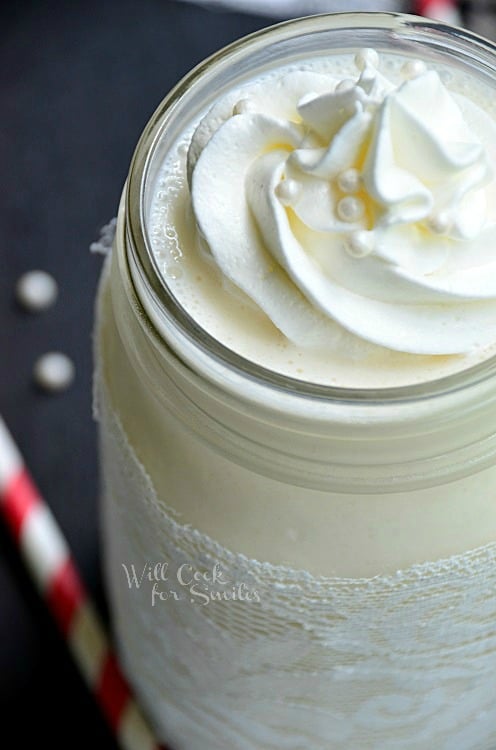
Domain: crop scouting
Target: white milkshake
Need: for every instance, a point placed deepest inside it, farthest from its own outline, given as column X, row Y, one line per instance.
column 375, row 229
column 311, row 229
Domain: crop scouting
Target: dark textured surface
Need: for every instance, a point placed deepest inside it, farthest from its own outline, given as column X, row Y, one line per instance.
column 77, row 83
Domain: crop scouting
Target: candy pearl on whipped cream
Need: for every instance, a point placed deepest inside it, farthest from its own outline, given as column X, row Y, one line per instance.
column 359, row 244
column 366, row 58
column 349, row 180
column 413, row 69
column 288, row 191
column 350, row 209
column 439, row 223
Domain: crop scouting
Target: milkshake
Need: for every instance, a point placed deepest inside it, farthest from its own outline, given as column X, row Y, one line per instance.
column 296, row 388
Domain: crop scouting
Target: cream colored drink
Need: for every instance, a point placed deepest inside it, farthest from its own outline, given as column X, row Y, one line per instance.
column 295, row 389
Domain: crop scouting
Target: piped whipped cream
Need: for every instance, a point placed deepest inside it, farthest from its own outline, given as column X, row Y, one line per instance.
column 360, row 206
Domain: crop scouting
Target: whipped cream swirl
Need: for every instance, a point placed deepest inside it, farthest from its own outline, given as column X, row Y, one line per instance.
column 354, row 206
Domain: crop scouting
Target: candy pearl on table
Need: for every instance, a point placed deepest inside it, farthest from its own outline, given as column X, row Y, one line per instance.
column 365, row 58
column 287, row 191
column 36, row 291
column 413, row 69
column 349, row 181
column 350, row 209
column 54, row 372
column 359, row 244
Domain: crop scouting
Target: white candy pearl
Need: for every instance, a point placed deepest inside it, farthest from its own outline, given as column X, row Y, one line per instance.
column 413, row 69
column 243, row 107
column 350, row 209
column 54, row 372
column 349, row 181
column 287, row 191
column 346, row 85
column 36, row 291
column 359, row 244
column 439, row 223
column 366, row 57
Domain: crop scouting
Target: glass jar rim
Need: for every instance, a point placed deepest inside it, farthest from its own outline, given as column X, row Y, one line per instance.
column 404, row 26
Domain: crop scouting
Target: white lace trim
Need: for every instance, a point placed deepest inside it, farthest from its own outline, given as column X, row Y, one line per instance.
column 400, row 662
column 103, row 245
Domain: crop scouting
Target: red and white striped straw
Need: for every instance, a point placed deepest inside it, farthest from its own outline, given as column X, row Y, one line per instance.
column 49, row 560
column 440, row 10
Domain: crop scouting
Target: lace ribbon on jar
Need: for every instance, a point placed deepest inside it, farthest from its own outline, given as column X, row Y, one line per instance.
column 397, row 662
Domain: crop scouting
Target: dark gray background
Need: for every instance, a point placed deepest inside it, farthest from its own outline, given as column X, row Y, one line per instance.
column 78, row 82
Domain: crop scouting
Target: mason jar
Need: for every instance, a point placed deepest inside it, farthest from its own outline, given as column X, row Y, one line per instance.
column 291, row 565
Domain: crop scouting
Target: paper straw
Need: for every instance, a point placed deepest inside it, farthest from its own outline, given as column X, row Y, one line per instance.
column 52, row 567
column 440, row 10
